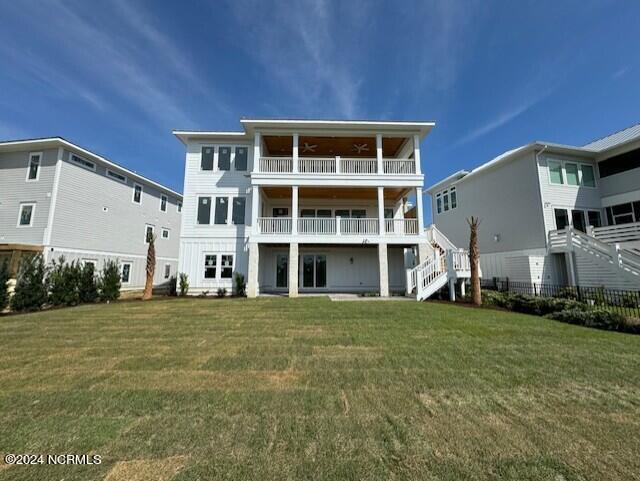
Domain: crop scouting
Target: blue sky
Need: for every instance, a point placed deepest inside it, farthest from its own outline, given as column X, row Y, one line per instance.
column 116, row 76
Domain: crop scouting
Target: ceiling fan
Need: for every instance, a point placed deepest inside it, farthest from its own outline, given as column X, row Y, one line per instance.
column 309, row 147
column 361, row 148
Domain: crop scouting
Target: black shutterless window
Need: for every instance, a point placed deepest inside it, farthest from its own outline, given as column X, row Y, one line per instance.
column 562, row 218
column 206, row 163
column 620, row 163
column 222, row 207
column 204, row 210
column 241, row 158
column 224, row 158
column 238, row 210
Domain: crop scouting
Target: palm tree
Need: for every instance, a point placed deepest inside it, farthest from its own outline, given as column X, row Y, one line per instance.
column 474, row 256
column 151, row 268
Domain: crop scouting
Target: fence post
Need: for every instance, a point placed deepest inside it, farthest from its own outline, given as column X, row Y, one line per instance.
column 618, row 254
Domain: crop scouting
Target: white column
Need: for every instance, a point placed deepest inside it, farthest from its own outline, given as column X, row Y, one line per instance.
column 571, row 269
column 384, row 270
column 293, row 269
column 256, row 151
column 452, row 289
column 416, row 153
column 379, row 152
column 255, row 209
column 419, row 211
column 252, row 274
column 462, row 288
column 381, row 210
column 296, row 139
column 294, row 210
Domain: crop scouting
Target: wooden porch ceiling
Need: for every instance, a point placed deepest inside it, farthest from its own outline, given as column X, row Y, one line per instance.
column 332, row 146
column 351, row 193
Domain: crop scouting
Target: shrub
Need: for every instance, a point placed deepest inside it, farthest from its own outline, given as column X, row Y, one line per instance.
column 529, row 304
column 30, row 293
column 109, row 284
column 87, row 285
column 4, row 285
column 241, row 285
column 62, row 283
column 598, row 318
column 184, row 283
column 221, row 292
column 567, row 293
column 630, row 300
column 173, row 286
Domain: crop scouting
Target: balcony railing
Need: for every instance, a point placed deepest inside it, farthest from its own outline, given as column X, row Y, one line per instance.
column 336, row 226
column 336, row 165
column 401, row 226
column 274, row 225
column 362, row 226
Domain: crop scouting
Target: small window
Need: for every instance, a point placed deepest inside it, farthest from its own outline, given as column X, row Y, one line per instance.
column 588, row 177
column 82, row 162
column 562, row 218
column 555, row 172
column 33, row 170
column 343, row 213
column 204, row 210
column 237, row 215
column 224, row 158
column 137, row 194
column 90, row 262
column 388, row 213
column 445, row 200
column 571, row 171
column 226, row 266
column 125, row 272
column 439, row 203
column 116, row 176
column 167, row 271
column 148, row 233
column 240, row 161
column 210, row 266
column 165, row 233
column 179, row 206
column 163, row 203
column 307, row 213
column 324, row 213
column 280, row 212
column 594, row 218
column 454, row 198
column 358, row 213
column 25, row 216
column 222, row 210
column 206, row 163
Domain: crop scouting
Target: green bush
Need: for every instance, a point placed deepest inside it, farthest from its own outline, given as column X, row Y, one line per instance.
column 184, row 283
column 598, row 318
column 4, row 285
column 538, row 306
column 221, row 292
column 109, row 284
column 62, row 283
column 87, row 285
column 30, row 293
column 241, row 285
column 173, row 286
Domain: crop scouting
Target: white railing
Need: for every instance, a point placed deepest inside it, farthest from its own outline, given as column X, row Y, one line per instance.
column 437, row 237
column 317, row 225
column 362, row 226
column 459, row 260
column 358, row 166
column 401, row 226
column 320, row 165
column 618, row 233
column 399, row 166
column 274, row 225
column 276, row 164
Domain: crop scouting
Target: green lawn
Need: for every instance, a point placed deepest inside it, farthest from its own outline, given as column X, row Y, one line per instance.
column 280, row 389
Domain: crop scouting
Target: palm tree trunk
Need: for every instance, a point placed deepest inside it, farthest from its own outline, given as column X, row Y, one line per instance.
column 474, row 255
column 151, row 269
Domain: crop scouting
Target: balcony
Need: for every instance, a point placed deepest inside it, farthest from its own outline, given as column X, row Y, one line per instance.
column 335, row 165
column 337, row 226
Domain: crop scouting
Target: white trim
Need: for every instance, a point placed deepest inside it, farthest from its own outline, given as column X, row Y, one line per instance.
column 112, row 174
column 440, row 195
column 122, row 264
column 563, row 170
column 163, row 230
column 133, row 195
column 153, row 231
column 72, row 160
column 164, row 198
column 40, row 156
column 91, row 261
column 108, row 253
column 33, row 213
column 48, row 232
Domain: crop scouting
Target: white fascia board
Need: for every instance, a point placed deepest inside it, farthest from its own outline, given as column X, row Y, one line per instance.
column 446, row 181
column 339, row 180
column 186, row 135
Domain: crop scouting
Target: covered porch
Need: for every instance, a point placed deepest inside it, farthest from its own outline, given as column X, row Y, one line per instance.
column 13, row 254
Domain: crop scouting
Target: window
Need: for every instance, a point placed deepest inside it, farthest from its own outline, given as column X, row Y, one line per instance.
column 165, row 233
column 358, row 213
column 555, row 172
column 148, row 233
column 210, row 267
column 179, row 206
column 388, row 213
column 571, row 170
column 137, row 194
column 620, row 163
column 439, row 203
column 25, row 216
column 163, row 203
column 562, row 218
column 237, row 215
column 33, row 170
column 224, row 158
column 307, row 213
column 119, row 177
column 323, row 213
column 280, row 212
column 125, row 272
column 240, row 161
column 167, row 271
column 222, row 210
column 344, row 213
column 206, row 162
column 82, row 162
column 204, row 210
column 623, row 213
column 90, row 262
column 588, row 177
column 445, row 200
column 226, row 266
column 577, row 220
column 594, row 218
column 454, row 198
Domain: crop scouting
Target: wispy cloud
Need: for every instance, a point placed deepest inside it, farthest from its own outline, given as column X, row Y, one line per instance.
column 620, row 72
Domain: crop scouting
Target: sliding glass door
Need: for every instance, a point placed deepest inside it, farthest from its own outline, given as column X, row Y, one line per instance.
column 314, row 271
column 282, row 270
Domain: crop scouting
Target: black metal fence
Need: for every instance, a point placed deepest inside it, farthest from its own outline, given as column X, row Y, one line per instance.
column 624, row 302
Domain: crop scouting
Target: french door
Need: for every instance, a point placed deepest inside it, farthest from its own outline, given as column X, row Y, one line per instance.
column 282, row 270
column 314, row 271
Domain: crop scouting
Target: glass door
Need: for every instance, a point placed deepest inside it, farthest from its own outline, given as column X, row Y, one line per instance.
column 282, row 270
column 314, row 271
column 577, row 219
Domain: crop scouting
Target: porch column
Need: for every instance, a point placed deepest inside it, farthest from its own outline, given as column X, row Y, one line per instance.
column 571, row 268
column 419, row 211
column 379, row 152
column 381, row 210
column 296, row 138
column 294, row 209
column 252, row 274
column 452, row 289
column 384, row 269
column 255, row 209
column 293, row 269
column 462, row 288
column 256, row 151
column 416, row 153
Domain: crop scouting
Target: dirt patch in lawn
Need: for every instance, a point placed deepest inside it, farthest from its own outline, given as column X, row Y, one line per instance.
column 147, row 469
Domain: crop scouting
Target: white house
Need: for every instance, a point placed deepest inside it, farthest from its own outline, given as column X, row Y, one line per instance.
column 306, row 206
column 60, row 199
column 551, row 213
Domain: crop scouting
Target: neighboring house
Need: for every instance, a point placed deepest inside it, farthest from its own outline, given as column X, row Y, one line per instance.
column 552, row 213
column 304, row 206
column 62, row 200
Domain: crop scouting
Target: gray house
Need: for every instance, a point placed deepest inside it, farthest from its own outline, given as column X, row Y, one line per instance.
column 552, row 213
column 63, row 200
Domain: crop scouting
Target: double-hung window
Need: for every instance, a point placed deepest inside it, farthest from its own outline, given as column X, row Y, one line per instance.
column 237, row 215
column 204, row 210
column 25, row 215
column 167, row 271
column 226, row 266
column 222, row 210
column 33, row 169
column 163, row 203
column 125, row 272
column 240, row 161
column 137, row 194
column 206, row 161
column 210, row 266
column 224, row 158
column 148, row 233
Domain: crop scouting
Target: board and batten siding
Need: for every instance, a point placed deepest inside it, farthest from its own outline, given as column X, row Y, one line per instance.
column 14, row 190
column 532, row 265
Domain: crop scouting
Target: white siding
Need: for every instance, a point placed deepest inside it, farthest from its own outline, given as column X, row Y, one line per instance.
column 533, row 265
